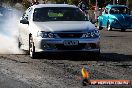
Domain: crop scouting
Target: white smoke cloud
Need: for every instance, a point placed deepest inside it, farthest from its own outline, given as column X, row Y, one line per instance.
column 9, row 33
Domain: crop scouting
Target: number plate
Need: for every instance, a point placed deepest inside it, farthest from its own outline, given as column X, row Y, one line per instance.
column 71, row 42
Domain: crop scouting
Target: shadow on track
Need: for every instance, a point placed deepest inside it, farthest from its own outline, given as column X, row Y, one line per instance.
column 115, row 57
column 68, row 56
column 119, row 30
column 85, row 57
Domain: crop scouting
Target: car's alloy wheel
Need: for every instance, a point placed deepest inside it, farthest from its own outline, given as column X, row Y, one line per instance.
column 31, row 48
column 109, row 28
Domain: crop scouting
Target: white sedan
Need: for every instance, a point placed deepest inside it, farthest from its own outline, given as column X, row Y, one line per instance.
column 57, row 28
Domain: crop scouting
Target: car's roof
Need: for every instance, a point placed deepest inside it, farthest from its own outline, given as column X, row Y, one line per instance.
column 53, row 5
column 111, row 6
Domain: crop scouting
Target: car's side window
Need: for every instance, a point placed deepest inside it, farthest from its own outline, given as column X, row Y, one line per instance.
column 106, row 11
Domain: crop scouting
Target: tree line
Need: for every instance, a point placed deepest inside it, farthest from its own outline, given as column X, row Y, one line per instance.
column 27, row 3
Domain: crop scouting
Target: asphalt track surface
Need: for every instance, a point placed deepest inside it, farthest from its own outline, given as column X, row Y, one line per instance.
column 64, row 70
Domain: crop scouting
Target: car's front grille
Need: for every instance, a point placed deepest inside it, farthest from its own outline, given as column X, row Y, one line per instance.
column 77, row 47
column 70, row 35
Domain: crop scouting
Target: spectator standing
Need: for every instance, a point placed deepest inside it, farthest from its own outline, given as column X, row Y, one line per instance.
column 83, row 5
column 34, row 2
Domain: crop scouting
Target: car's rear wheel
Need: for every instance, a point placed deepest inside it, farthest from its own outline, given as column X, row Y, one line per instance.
column 123, row 30
column 19, row 43
column 31, row 47
column 109, row 28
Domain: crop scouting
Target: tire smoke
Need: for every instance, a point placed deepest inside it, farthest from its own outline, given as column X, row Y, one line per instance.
column 9, row 32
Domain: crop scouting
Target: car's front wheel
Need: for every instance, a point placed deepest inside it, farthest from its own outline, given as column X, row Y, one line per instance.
column 98, row 26
column 31, row 47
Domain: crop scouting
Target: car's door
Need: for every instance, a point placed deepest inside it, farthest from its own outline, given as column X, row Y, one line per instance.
column 24, row 28
column 105, row 17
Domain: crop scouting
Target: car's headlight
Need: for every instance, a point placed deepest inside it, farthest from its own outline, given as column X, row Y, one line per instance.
column 43, row 34
column 91, row 34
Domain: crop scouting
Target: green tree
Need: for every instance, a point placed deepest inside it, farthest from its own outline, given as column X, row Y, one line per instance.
column 26, row 3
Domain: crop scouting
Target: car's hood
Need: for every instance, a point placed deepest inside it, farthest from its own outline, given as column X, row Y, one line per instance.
column 61, row 26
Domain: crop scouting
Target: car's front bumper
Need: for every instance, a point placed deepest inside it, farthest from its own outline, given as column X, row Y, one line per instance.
column 57, row 45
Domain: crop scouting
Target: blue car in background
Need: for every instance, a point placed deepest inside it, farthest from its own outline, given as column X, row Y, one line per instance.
column 5, row 13
column 115, row 16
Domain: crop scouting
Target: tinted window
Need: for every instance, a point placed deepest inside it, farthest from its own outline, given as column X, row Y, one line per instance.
column 58, row 14
column 119, row 10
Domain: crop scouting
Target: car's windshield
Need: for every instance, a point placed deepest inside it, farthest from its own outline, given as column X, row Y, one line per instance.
column 58, row 14
column 119, row 10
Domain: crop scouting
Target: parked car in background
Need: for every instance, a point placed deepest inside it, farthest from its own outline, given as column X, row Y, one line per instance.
column 115, row 16
column 57, row 28
column 5, row 13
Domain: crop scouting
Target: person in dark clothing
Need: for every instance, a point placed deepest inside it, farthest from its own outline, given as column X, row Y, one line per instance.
column 83, row 5
column 34, row 2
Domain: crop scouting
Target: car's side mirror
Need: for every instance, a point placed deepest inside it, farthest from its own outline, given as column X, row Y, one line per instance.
column 24, row 21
